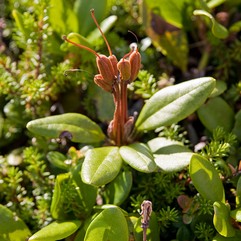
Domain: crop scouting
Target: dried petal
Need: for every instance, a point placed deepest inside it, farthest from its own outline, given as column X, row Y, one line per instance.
column 135, row 61
column 124, row 68
column 105, row 68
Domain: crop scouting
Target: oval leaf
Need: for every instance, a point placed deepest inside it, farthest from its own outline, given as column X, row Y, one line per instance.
column 237, row 125
column 216, row 112
column 170, row 155
column 12, row 228
column 238, row 193
column 56, row 231
column 206, row 179
column 110, row 224
column 101, row 165
column 139, row 157
column 57, row 159
column 222, row 220
column 236, row 214
column 218, row 30
column 76, row 127
column 174, row 103
column 118, row 190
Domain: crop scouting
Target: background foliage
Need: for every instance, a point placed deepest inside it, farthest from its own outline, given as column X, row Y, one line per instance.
column 40, row 76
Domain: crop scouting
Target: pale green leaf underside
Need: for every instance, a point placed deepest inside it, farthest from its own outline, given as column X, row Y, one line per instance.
column 174, row 103
column 170, row 155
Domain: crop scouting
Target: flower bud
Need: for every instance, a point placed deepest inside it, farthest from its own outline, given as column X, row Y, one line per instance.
column 114, row 63
column 101, row 82
column 135, row 61
column 124, row 68
column 105, row 68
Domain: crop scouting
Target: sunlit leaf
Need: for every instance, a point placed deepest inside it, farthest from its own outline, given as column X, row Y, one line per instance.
column 139, row 157
column 174, row 103
column 110, row 224
column 101, row 165
column 12, row 228
column 76, row 127
column 221, row 219
column 56, row 231
column 206, row 179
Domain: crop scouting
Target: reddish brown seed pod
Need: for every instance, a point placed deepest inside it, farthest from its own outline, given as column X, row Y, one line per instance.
column 124, row 68
column 135, row 61
column 105, row 68
column 98, row 79
column 114, row 63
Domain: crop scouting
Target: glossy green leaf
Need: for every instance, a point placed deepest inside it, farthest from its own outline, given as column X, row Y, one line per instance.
column 238, row 193
column 203, row 175
column 152, row 231
column 222, row 220
column 139, row 157
column 216, row 112
column 110, row 224
column 237, row 125
column 101, row 165
column 12, row 228
column 174, row 103
column 218, row 30
column 57, row 159
column 56, row 231
column 214, row 3
column 118, row 190
column 170, row 155
column 76, row 127
column 62, row 17
column 82, row 10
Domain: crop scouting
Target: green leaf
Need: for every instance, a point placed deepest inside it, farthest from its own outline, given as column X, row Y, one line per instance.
column 222, row 220
column 174, row 103
column 118, row 190
column 218, row 30
column 237, row 125
column 57, row 159
column 216, row 112
column 170, row 155
column 12, row 228
column 101, row 165
column 56, row 231
column 82, row 10
column 139, row 157
column 77, row 127
column 219, row 237
column 110, row 224
column 220, row 87
column 206, row 179
column 62, row 17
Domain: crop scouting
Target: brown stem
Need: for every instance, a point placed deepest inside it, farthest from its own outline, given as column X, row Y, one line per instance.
column 124, row 114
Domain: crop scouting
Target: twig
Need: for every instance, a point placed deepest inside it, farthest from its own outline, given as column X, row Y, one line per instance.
column 146, row 209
